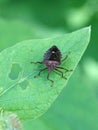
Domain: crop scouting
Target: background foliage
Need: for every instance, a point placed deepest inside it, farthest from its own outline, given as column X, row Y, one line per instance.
column 77, row 106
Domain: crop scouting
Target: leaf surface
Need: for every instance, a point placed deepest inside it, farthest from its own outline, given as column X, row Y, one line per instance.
column 25, row 95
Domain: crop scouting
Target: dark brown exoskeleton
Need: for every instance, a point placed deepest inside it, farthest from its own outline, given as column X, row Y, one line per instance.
column 52, row 60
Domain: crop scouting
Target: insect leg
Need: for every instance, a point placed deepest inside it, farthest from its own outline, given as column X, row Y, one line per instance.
column 50, row 79
column 40, row 72
column 67, row 70
column 66, row 57
column 61, row 73
column 36, row 62
column 56, row 72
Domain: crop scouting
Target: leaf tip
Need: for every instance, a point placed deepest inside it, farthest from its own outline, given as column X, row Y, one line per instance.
column 89, row 28
column 88, row 32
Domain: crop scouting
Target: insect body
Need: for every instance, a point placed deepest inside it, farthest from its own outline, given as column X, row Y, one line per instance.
column 52, row 60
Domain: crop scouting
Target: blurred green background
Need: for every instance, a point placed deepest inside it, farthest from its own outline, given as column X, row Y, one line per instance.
column 77, row 106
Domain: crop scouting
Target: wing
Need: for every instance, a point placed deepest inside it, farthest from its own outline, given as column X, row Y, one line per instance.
column 53, row 54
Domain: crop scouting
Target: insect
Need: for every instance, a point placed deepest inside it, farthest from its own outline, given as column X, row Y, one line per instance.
column 52, row 60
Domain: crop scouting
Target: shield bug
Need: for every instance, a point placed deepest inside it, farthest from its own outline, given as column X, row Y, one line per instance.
column 52, row 60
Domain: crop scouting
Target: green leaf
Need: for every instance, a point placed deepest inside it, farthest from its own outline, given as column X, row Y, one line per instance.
column 76, row 106
column 30, row 97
